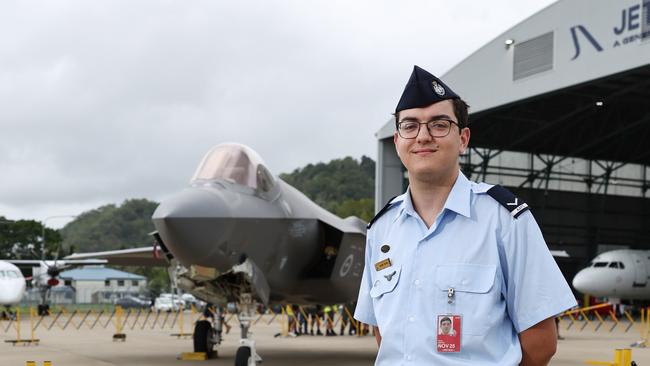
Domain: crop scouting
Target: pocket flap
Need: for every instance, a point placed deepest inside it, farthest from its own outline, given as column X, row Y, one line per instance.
column 385, row 281
column 478, row 278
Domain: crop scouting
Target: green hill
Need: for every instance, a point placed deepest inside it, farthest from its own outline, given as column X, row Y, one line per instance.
column 343, row 186
column 111, row 227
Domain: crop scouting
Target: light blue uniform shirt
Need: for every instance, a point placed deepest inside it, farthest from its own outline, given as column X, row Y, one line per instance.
column 504, row 277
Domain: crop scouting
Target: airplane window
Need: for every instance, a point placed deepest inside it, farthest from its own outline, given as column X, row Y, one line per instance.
column 613, row 265
column 600, row 264
column 2, row 274
column 621, row 265
column 234, row 162
column 12, row 274
column 264, row 178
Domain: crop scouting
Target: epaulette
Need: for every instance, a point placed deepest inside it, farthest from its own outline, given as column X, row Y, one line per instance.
column 508, row 200
column 387, row 207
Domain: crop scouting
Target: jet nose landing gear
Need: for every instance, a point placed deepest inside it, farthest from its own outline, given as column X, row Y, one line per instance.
column 246, row 353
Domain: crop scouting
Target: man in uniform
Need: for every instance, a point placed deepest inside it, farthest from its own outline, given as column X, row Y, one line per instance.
column 454, row 248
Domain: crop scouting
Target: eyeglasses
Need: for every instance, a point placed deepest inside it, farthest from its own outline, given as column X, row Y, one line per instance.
column 437, row 128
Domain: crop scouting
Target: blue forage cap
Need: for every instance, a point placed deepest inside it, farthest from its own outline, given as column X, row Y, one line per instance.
column 422, row 90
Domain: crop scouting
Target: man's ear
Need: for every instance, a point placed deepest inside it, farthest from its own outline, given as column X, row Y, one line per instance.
column 395, row 137
column 464, row 139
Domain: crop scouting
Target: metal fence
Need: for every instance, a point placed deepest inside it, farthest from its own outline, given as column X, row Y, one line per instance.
column 25, row 323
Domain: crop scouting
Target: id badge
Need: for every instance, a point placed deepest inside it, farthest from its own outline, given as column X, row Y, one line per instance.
column 448, row 339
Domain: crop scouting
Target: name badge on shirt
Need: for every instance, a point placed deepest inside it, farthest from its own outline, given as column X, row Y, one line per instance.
column 383, row 264
column 448, row 339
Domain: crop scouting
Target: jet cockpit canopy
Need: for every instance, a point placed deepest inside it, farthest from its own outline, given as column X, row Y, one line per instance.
column 235, row 163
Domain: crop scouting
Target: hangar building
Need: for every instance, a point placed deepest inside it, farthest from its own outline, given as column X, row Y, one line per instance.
column 560, row 114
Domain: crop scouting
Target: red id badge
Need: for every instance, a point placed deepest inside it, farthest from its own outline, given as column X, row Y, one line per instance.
column 448, row 333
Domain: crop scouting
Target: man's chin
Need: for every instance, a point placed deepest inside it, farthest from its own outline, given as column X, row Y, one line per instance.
column 428, row 173
column 425, row 170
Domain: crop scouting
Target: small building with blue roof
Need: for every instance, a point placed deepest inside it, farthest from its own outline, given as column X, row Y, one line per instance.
column 98, row 285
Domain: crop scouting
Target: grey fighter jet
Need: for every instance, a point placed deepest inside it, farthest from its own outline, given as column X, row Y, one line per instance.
column 239, row 234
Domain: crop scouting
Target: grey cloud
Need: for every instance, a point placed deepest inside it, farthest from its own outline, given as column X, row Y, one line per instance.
column 106, row 100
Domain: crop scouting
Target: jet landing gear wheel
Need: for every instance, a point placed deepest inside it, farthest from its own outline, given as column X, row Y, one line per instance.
column 202, row 333
column 243, row 356
column 246, row 353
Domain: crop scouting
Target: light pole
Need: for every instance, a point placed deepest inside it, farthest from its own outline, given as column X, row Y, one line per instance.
column 43, row 232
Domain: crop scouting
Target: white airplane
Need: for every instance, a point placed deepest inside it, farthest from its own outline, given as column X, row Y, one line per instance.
column 12, row 284
column 45, row 275
column 617, row 274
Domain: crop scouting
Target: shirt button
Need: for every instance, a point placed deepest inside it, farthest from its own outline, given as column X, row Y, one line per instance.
column 408, row 357
column 411, row 319
column 416, row 282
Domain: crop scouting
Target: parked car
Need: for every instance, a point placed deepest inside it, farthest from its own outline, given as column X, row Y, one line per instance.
column 165, row 303
column 189, row 300
column 131, row 302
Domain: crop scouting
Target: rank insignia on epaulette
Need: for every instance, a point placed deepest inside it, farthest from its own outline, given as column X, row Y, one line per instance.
column 383, row 264
column 508, row 200
column 519, row 208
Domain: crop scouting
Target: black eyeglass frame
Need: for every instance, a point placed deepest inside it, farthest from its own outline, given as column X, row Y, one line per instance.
column 451, row 122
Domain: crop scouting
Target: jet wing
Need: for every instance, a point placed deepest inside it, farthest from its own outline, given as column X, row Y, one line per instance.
column 146, row 256
column 38, row 262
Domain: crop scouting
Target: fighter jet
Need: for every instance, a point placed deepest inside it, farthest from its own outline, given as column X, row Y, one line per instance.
column 239, row 234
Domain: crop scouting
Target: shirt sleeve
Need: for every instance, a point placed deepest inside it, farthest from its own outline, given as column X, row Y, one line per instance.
column 365, row 311
column 535, row 287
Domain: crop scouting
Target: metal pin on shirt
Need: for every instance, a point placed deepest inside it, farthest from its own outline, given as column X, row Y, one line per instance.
column 450, row 295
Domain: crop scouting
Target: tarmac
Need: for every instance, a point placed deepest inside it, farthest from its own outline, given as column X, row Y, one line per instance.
column 143, row 347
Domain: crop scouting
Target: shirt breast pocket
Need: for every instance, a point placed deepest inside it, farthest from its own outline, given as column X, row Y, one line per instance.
column 385, row 282
column 474, row 296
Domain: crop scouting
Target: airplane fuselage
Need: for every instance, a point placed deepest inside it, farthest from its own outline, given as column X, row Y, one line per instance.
column 621, row 274
column 12, row 284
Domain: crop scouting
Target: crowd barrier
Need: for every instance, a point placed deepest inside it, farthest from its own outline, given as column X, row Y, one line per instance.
column 124, row 320
column 596, row 318
column 603, row 317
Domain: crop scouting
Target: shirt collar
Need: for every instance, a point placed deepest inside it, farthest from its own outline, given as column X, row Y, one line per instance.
column 460, row 195
column 457, row 201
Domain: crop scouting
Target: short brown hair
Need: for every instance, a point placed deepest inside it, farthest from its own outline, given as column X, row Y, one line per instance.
column 460, row 110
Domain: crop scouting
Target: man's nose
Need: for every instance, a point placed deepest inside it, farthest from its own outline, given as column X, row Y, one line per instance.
column 423, row 134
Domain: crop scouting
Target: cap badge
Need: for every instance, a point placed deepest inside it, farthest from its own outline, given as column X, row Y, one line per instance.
column 439, row 89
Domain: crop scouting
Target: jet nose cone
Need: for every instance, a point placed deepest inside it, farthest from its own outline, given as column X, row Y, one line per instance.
column 594, row 281
column 13, row 292
column 192, row 203
column 581, row 282
column 191, row 222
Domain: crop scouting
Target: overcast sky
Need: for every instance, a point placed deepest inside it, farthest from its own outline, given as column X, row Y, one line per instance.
column 102, row 101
